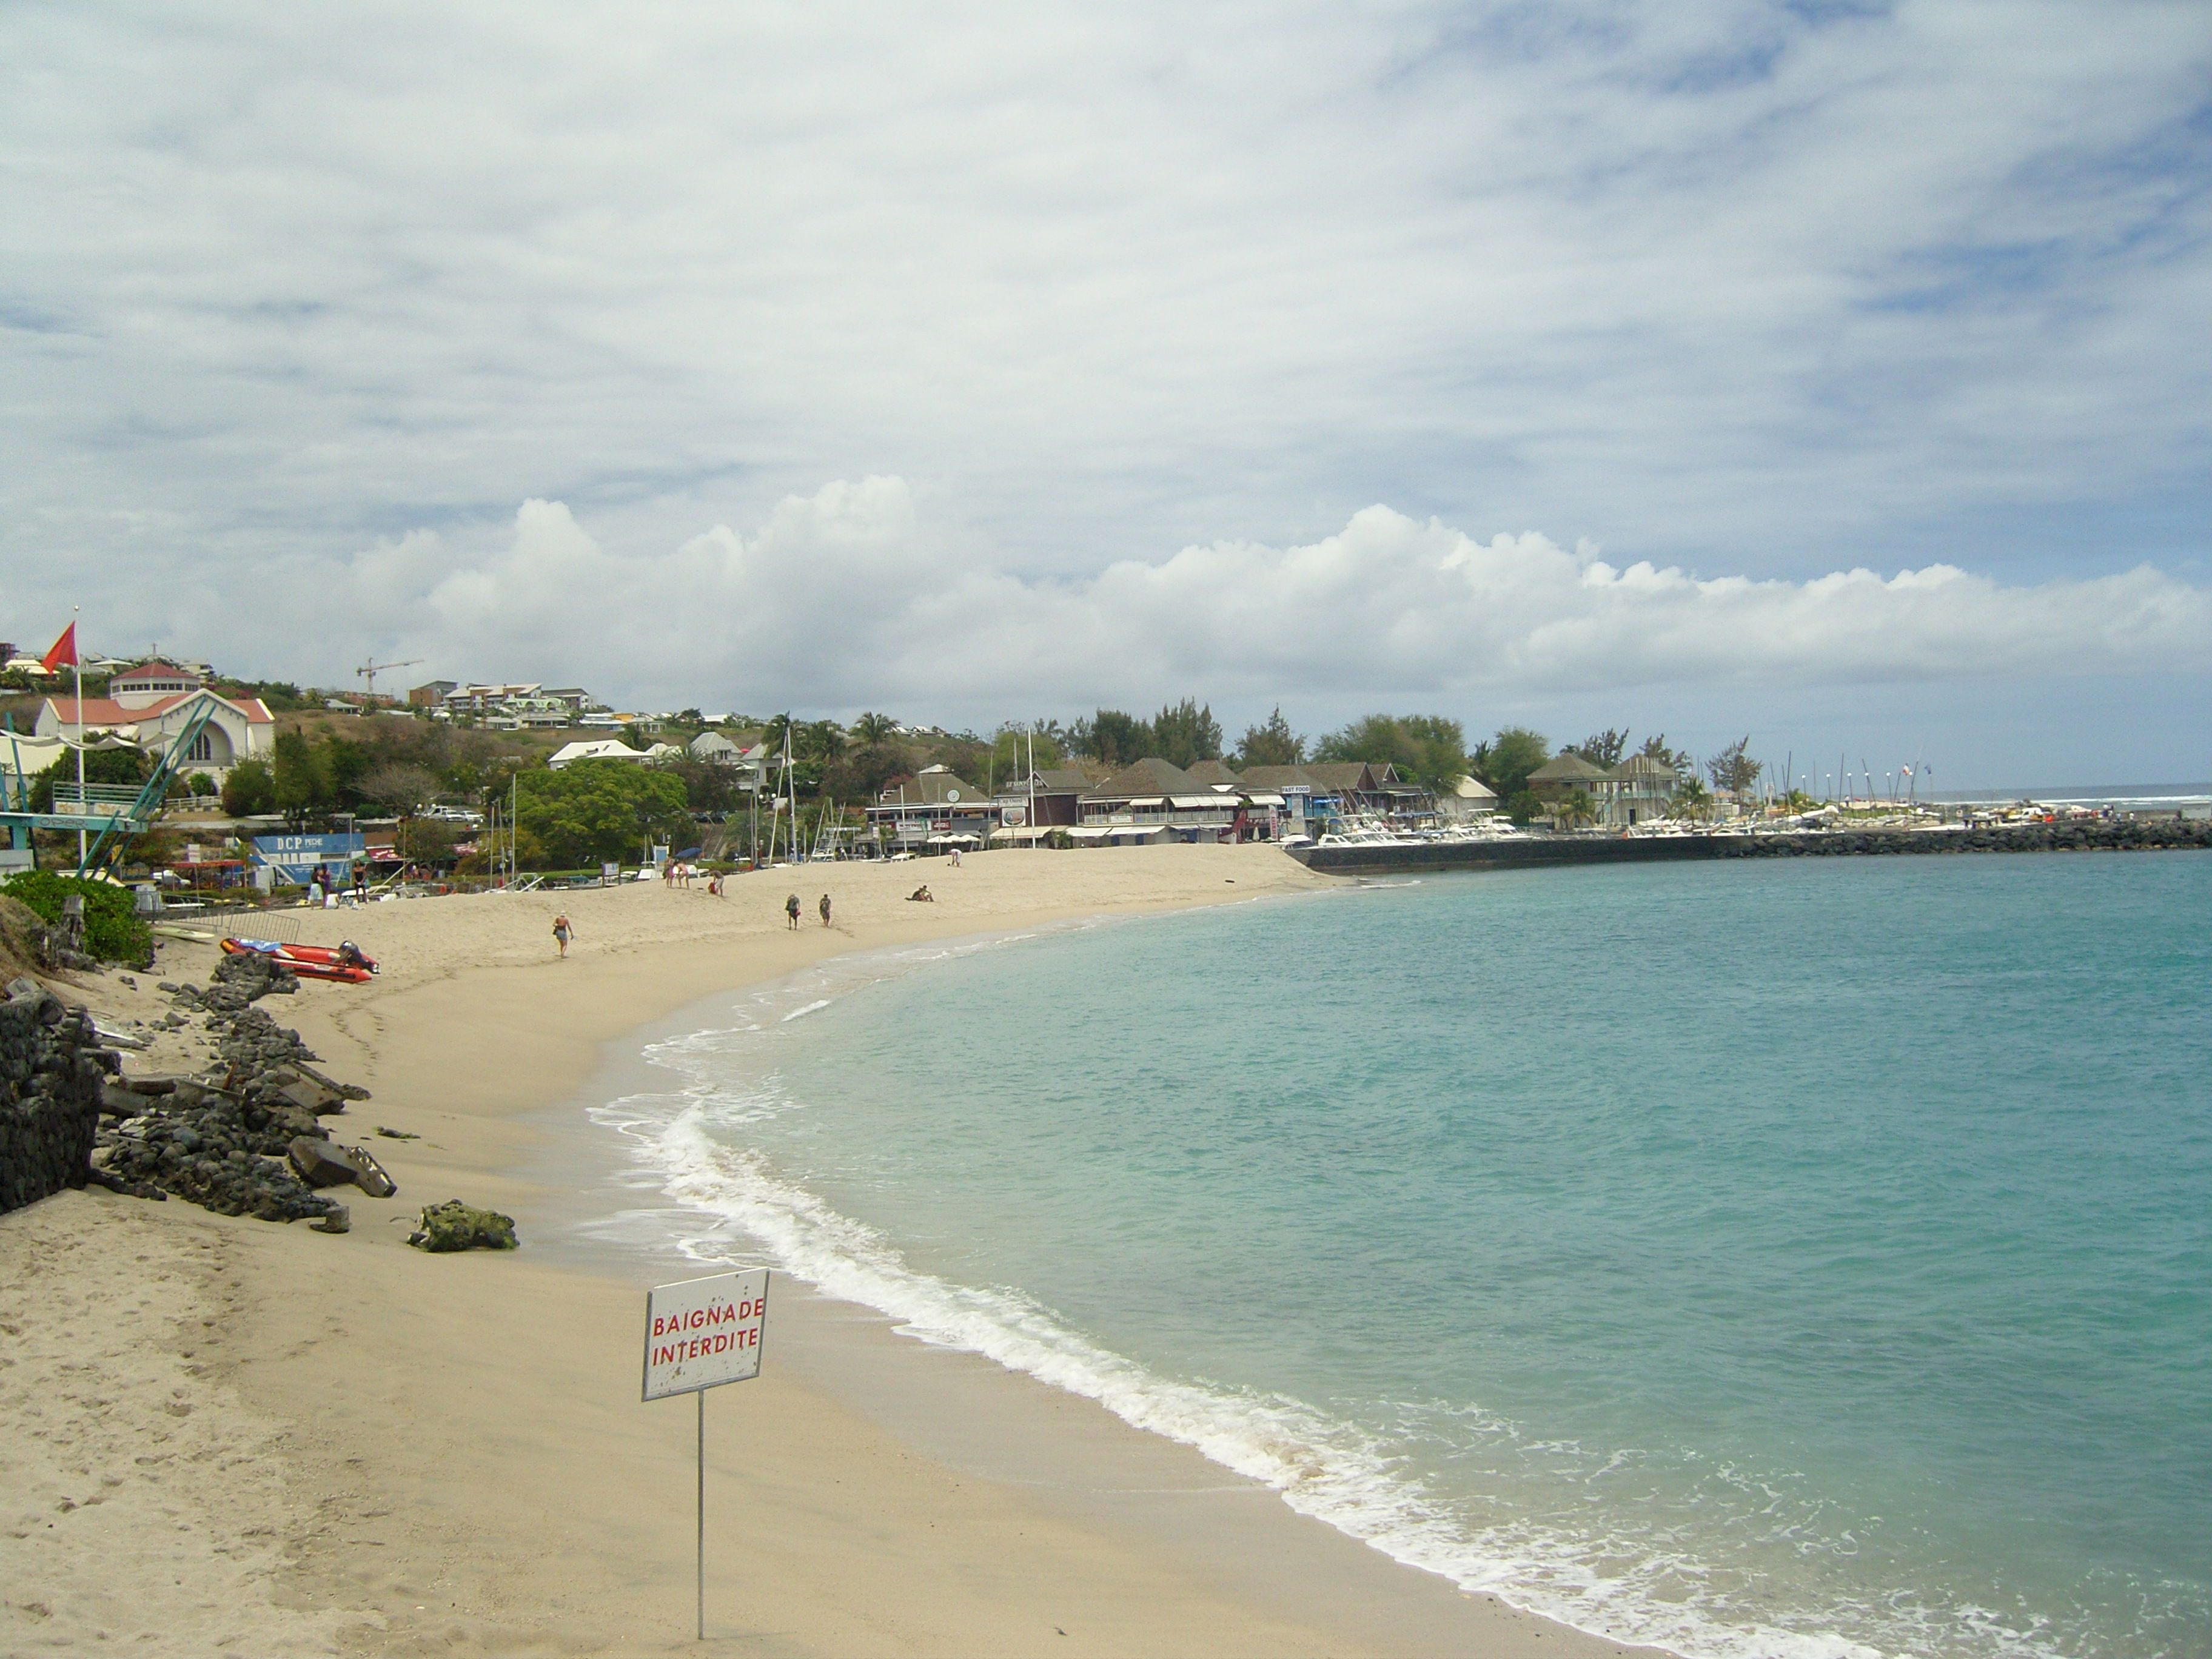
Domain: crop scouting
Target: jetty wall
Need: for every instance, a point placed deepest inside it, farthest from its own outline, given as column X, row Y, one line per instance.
column 1542, row 851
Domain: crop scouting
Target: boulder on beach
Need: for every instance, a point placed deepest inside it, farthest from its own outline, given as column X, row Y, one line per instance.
column 454, row 1225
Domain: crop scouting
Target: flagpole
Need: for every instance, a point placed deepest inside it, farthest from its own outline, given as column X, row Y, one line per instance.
column 77, row 665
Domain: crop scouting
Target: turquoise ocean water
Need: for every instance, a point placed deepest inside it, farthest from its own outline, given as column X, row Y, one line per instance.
column 1769, row 1258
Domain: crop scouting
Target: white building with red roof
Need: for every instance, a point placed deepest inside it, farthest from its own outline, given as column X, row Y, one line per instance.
column 151, row 704
column 150, row 682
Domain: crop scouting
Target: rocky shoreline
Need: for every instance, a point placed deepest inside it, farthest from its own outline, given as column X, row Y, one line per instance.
column 244, row 1136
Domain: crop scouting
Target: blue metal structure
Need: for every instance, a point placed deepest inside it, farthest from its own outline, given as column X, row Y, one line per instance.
column 114, row 826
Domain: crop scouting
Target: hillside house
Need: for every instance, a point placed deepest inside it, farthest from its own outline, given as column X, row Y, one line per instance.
column 238, row 728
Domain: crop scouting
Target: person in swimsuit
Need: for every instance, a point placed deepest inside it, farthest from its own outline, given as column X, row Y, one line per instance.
column 791, row 911
column 824, row 908
column 563, row 933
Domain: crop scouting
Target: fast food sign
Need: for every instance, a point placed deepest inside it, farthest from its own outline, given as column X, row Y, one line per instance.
column 703, row 1332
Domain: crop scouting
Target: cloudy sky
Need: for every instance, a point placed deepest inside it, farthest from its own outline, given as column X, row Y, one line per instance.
column 1836, row 372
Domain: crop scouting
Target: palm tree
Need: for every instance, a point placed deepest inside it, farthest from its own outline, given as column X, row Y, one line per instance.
column 1693, row 800
column 873, row 728
column 1575, row 810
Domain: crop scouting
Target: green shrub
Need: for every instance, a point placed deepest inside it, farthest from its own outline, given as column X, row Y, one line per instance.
column 250, row 789
column 112, row 932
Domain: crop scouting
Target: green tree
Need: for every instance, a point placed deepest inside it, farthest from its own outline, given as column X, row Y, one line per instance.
column 1113, row 738
column 1733, row 769
column 1183, row 733
column 302, row 774
column 1655, row 748
column 1605, row 749
column 708, row 785
column 1505, row 762
column 1577, row 809
column 1272, row 744
column 1429, row 748
column 1693, row 800
column 250, row 789
column 863, row 770
column 874, row 728
column 598, row 810
column 1011, row 750
column 1524, row 807
column 819, row 743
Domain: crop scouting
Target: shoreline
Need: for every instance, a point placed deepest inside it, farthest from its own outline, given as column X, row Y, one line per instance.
column 449, row 1452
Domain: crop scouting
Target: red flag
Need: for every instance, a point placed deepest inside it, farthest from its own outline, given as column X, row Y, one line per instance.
column 65, row 651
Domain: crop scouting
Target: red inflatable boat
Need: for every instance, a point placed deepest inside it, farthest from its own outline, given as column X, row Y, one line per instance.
column 344, row 963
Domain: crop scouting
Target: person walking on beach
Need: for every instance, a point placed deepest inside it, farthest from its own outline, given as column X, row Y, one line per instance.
column 791, row 911
column 825, row 909
column 563, row 931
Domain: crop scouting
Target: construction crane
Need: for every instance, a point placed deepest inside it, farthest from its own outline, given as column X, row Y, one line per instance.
column 369, row 670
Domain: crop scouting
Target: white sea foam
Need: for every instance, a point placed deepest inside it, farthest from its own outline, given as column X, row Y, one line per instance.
column 732, row 1204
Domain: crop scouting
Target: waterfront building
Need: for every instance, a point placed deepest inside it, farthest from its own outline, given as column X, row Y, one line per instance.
column 1638, row 791
column 1163, row 801
column 932, row 811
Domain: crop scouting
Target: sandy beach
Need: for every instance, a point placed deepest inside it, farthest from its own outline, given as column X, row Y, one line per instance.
column 223, row 1435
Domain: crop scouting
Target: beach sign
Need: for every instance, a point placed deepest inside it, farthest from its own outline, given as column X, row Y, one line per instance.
column 699, row 1335
column 703, row 1332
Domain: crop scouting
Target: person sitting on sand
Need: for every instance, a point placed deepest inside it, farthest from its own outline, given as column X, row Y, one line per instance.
column 791, row 910
column 825, row 909
column 921, row 895
column 563, row 931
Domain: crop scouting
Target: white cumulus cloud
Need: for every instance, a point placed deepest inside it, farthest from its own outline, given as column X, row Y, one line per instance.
column 847, row 599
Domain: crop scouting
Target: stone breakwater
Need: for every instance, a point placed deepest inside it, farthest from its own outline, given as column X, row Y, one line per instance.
column 1544, row 851
column 2079, row 836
